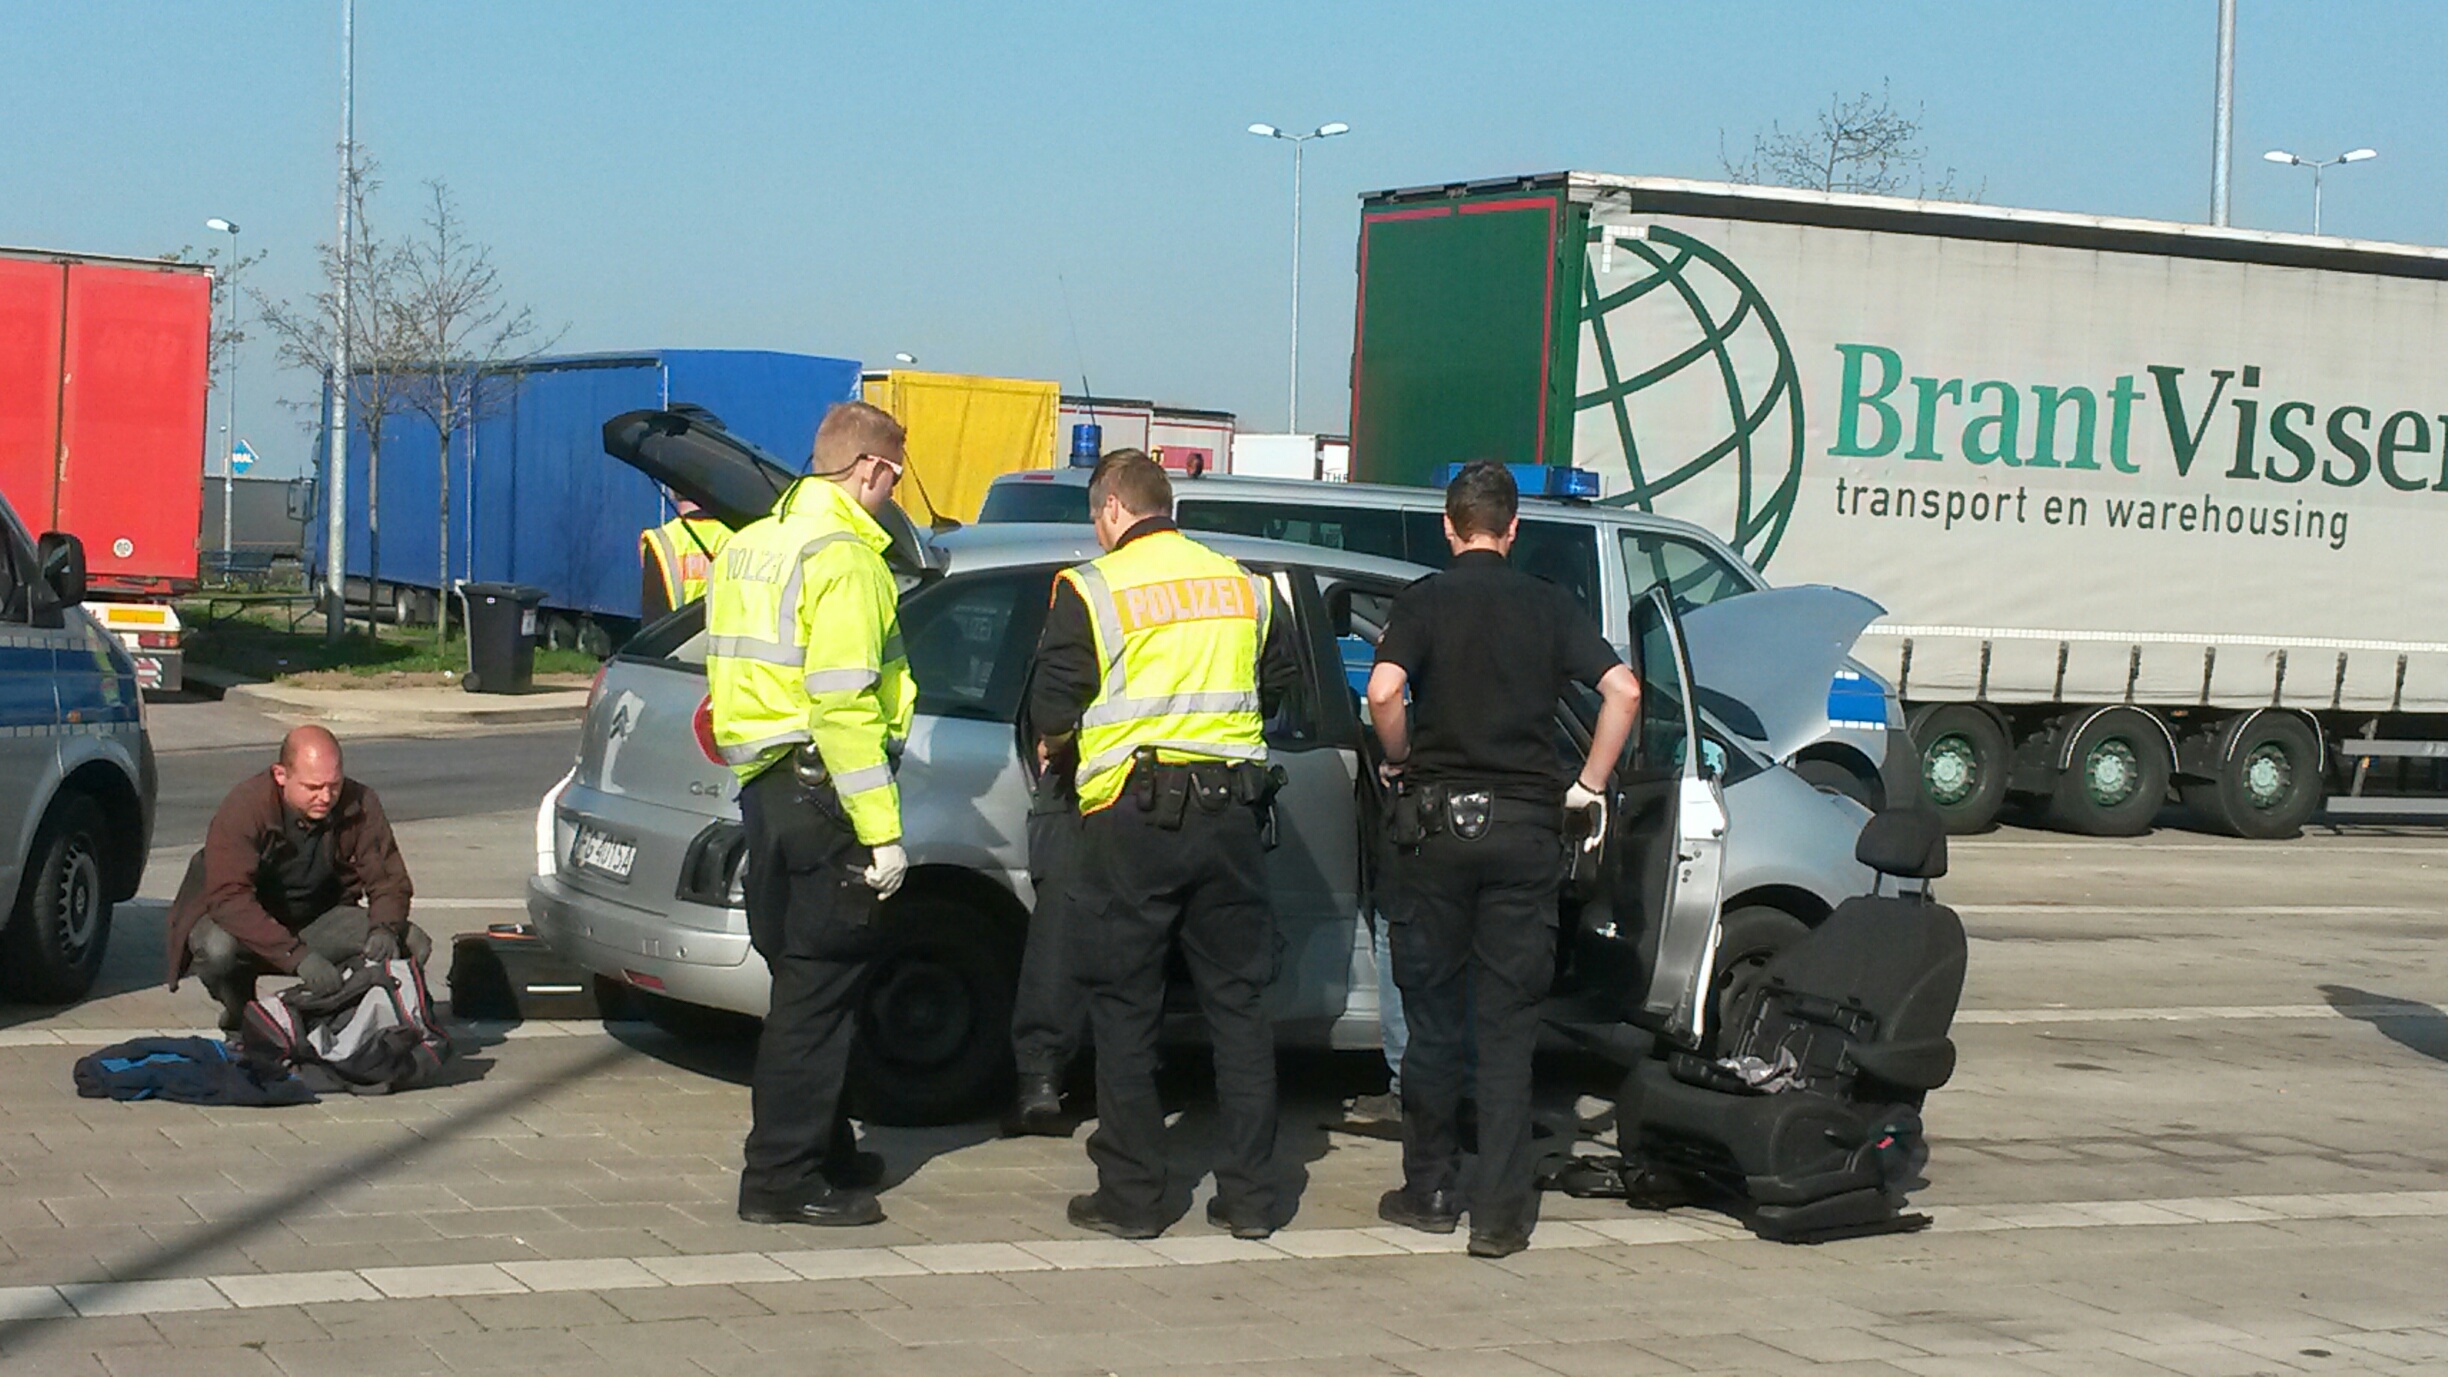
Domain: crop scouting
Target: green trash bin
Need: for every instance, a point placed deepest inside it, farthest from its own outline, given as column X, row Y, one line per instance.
column 501, row 636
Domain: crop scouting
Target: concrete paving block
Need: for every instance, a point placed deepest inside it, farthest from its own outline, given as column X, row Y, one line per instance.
column 1202, row 1249
column 1325, row 1243
column 1085, row 1254
column 846, row 1264
column 447, row 1279
column 582, row 1274
column 1413, row 1241
column 143, row 1297
column 2216, row 1210
column 1639, row 1231
column 1566, row 1233
column 250, row 1291
column 952, row 1259
column 32, row 1303
column 717, row 1269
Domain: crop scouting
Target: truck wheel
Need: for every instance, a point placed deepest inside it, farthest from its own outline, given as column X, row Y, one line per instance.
column 2268, row 783
column 594, row 640
column 53, row 945
column 934, row 1022
column 2117, row 778
column 1963, row 764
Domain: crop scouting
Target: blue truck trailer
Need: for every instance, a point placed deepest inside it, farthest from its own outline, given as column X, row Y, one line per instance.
column 534, row 499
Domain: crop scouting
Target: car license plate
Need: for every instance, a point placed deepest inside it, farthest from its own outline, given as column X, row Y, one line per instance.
column 603, row 853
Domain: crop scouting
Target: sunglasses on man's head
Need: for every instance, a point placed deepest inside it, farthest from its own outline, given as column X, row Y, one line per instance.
column 896, row 465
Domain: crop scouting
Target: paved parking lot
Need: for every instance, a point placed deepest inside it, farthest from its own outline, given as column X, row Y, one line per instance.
column 2197, row 1129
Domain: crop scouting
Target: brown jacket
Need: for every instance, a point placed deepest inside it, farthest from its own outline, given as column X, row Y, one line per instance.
column 247, row 833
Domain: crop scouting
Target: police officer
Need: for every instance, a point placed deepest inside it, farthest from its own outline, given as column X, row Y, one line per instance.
column 1049, row 1006
column 1486, row 652
column 810, row 694
column 675, row 556
column 1151, row 669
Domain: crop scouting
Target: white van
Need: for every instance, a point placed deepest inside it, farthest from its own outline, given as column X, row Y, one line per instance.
column 1606, row 557
column 76, row 771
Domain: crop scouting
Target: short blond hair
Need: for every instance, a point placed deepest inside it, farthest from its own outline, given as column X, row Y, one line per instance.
column 849, row 430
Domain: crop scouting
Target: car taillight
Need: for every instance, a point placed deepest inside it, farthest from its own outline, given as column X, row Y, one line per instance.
column 703, row 723
column 157, row 640
column 595, row 689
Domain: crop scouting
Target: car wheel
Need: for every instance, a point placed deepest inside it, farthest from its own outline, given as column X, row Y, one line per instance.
column 1963, row 764
column 2116, row 777
column 1747, row 939
column 934, row 1020
column 1836, row 777
column 2268, row 783
column 53, row 945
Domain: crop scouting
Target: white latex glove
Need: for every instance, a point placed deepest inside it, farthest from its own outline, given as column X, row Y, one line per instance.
column 1582, row 799
column 884, row 874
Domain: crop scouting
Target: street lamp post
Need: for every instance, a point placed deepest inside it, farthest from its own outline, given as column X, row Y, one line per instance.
column 1323, row 131
column 229, row 385
column 2318, row 166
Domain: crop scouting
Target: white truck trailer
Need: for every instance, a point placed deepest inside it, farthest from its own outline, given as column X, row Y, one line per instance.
column 2157, row 510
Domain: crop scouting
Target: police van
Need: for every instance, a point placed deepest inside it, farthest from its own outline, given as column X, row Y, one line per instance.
column 1605, row 557
column 76, row 771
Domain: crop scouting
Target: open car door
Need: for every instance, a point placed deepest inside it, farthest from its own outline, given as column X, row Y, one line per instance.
column 1668, row 833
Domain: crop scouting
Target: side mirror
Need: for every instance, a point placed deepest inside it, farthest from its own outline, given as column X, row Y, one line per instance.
column 60, row 559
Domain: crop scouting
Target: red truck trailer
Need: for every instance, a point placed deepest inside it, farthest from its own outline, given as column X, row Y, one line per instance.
column 102, row 395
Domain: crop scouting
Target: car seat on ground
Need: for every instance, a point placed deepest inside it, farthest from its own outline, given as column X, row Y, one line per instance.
column 1849, row 1024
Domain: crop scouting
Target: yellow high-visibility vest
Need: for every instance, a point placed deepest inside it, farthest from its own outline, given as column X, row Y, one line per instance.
column 1178, row 631
column 680, row 551
column 803, row 635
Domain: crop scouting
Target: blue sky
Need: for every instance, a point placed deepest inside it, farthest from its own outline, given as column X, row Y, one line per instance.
column 857, row 179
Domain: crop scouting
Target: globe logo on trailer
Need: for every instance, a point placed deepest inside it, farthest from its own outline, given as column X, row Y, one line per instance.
column 1687, row 402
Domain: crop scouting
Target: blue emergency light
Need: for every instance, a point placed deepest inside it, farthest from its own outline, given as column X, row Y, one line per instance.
column 1087, row 438
column 1537, row 480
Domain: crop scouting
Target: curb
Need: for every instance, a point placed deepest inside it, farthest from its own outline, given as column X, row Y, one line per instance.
column 320, row 706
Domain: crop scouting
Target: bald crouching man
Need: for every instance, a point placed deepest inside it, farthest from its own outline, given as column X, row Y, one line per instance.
column 299, row 874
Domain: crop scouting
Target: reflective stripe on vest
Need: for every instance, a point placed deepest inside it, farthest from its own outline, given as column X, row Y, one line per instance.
column 1178, row 631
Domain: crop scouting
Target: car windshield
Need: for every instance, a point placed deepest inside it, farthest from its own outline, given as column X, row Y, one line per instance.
column 1693, row 574
column 1035, row 500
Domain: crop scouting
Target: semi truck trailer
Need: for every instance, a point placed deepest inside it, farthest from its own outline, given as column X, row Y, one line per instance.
column 102, row 397
column 2155, row 509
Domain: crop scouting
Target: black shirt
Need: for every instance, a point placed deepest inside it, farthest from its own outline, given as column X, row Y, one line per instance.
column 1068, row 674
column 299, row 881
column 1489, row 651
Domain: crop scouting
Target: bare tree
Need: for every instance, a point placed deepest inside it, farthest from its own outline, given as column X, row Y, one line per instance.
column 460, row 331
column 228, row 312
column 380, row 356
column 1863, row 144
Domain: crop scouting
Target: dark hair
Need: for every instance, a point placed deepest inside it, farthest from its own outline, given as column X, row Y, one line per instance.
column 1138, row 480
column 1482, row 499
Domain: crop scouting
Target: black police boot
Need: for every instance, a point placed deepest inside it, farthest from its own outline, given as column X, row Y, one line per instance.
column 1041, row 1107
column 1437, row 1212
column 1244, row 1223
column 830, row 1207
column 860, row 1171
column 1093, row 1212
column 1497, row 1244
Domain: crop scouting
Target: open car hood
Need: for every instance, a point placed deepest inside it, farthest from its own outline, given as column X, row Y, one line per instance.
column 686, row 450
column 1763, row 661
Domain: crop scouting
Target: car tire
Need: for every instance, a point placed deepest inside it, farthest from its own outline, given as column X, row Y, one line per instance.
column 934, row 1020
column 2116, row 776
column 1964, row 758
column 1747, row 939
column 1836, row 777
column 2268, row 782
column 594, row 640
column 53, row 945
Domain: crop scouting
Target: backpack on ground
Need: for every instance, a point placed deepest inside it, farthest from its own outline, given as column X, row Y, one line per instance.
column 377, row 1033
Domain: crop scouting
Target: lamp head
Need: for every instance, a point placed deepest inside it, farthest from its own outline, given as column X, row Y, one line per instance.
column 2358, row 155
column 2280, row 155
column 1328, row 131
column 220, row 226
column 1266, row 131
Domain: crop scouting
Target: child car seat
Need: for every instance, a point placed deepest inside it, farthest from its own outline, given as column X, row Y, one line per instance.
column 1850, row 1024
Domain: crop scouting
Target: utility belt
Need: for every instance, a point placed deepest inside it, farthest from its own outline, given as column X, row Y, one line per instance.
column 1422, row 811
column 1166, row 789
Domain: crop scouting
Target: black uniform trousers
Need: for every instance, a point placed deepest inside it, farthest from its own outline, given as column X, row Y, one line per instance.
column 811, row 916
column 1144, row 888
column 1050, row 1007
column 1477, row 923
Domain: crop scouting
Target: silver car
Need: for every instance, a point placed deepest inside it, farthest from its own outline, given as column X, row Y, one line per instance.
column 76, row 771
column 640, row 851
column 1605, row 556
